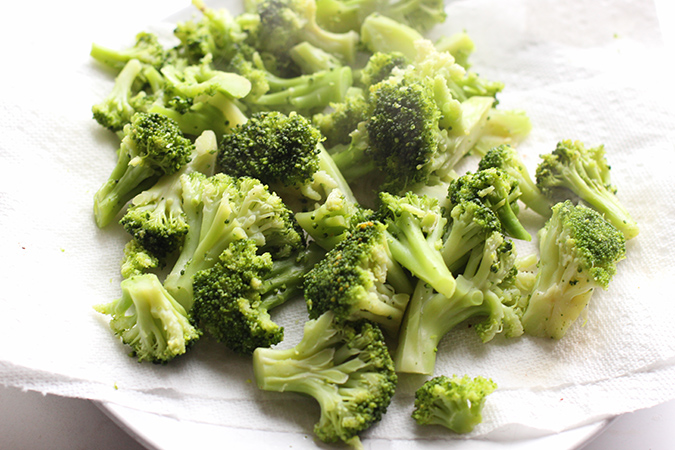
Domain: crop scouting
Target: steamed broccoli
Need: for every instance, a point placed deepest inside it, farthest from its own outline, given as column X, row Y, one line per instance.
column 221, row 209
column 380, row 33
column 137, row 260
column 345, row 367
column 453, row 402
column 380, row 66
column 584, row 172
column 459, row 45
column 578, row 252
column 152, row 146
column 150, row 320
column 311, row 59
column 483, row 293
column 155, row 217
column 506, row 158
column 343, row 118
column 359, row 279
column 147, row 49
column 502, row 127
column 116, row 110
column 232, row 299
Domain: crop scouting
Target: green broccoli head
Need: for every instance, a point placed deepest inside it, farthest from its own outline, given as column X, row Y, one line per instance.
column 584, row 172
column 137, row 260
column 343, row 118
column 228, row 302
column 353, row 280
column 345, row 367
column 149, row 320
column 578, row 252
column 152, row 146
column 380, row 66
column 453, row 402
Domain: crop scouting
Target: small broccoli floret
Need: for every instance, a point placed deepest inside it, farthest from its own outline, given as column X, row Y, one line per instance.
column 152, row 146
column 116, row 109
column 286, row 23
column 578, row 252
column 584, row 172
column 345, row 367
column 453, row 402
column 228, row 209
column 495, row 189
column 506, row 158
column 359, row 279
column 479, row 295
column 150, row 320
column 415, row 228
column 380, row 67
column 459, row 45
column 343, row 118
column 155, row 217
column 137, row 260
column 147, row 49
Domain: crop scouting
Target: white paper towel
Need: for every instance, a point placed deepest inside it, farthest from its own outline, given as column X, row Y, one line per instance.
column 593, row 71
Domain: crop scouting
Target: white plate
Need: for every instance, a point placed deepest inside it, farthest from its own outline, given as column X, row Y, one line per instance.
column 158, row 432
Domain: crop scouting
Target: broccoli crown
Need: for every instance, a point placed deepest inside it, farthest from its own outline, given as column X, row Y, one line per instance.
column 495, row 189
column 453, row 402
column 152, row 146
column 137, row 260
column 584, row 172
column 147, row 49
column 579, row 251
column 343, row 118
column 351, row 280
column 273, row 147
column 227, row 299
column 380, row 66
column 346, row 367
column 150, row 320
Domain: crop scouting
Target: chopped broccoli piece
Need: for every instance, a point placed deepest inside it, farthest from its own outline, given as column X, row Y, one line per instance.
column 311, row 59
column 380, row 66
column 345, row 367
column 578, row 252
column 380, row 33
column 584, row 172
column 343, row 118
column 116, row 109
column 359, row 279
column 453, row 402
column 502, row 127
column 459, row 45
column 150, row 320
column 137, row 260
column 147, row 49
column 152, row 146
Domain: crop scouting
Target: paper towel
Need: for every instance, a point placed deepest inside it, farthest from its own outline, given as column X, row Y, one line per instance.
column 593, row 71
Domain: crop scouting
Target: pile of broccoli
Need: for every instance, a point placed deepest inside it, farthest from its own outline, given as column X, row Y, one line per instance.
column 308, row 151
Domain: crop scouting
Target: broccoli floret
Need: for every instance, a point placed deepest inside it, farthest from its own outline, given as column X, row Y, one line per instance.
column 116, row 109
column 147, row 49
column 359, row 279
column 150, row 320
column 345, row 367
column 506, row 158
column 380, row 67
column 286, row 23
column 578, row 252
column 584, row 172
column 225, row 209
column 459, row 45
column 383, row 34
column 155, row 217
column 415, row 228
column 345, row 15
column 453, row 402
column 343, row 118
column 502, row 127
column 137, row 260
column 479, row 295
column 495, row 189
column 152, row 146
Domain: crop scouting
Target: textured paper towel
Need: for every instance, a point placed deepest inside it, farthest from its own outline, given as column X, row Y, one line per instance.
column 592, row 71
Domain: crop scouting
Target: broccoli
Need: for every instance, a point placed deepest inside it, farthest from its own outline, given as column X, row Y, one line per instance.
column 453, row 402
column 584, row 172
column 415, row 228
column 380, row 66
column 221, row 209
column 359, row 279
column 506, row 158
column 152, row 146
column 137, row 260
column 343, row 118
column 483, row 292
column 232, row 299
column 578, row 251
column 383, row 34
column 344, row 366
column 150, row 320
column 311, row 59
column 155, row 217
column 459, row 45
column 496, row 189
column 503, row 126
column 286, row 23
column 147, row 49
column 116, row 109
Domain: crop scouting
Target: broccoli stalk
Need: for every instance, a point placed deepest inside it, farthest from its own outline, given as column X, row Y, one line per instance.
column 478, row 294
column 584, row 171
column 359, row 279
column 345, row 367
column 453, row 402
column 147, row 49
column 152, row 146
column 150, row 320
column 578, row 253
